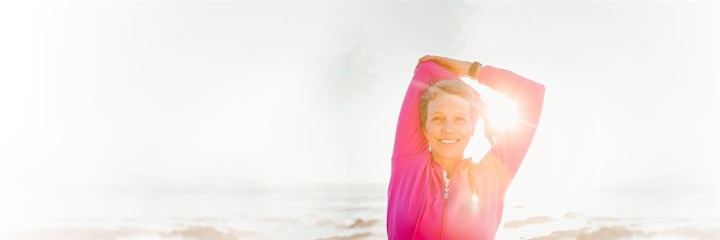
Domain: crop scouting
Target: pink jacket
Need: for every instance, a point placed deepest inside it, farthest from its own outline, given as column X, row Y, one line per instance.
column 417, row 207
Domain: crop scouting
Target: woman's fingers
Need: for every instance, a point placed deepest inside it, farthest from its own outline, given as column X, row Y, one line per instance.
column 425, row 59
column 437, row 59
column 458, row 67
column 422, row 59
column 431, row 58
column 451, row 65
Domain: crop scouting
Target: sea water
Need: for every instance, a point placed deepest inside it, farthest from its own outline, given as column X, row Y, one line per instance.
column 333, row 211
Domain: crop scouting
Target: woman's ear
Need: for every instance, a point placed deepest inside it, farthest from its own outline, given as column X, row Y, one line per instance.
column 426, row 137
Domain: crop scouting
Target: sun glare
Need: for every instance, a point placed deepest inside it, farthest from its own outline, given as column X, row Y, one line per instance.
column 475, row 200
column 502, row 110
column 502, row 114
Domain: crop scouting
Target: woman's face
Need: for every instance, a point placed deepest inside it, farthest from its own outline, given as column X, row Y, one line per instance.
column 448, row 126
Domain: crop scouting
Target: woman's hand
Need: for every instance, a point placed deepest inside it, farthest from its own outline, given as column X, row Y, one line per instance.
column 458, row 67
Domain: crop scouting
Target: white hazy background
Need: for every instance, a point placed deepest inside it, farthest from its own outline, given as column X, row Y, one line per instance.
column 147, row 95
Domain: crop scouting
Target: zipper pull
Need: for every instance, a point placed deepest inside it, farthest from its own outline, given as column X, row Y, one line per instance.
column 447, row 192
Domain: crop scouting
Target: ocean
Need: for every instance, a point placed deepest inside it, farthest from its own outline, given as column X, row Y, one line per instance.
column 319, row 211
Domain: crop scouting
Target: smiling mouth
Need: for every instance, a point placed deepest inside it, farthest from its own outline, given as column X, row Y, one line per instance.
column 449, row 141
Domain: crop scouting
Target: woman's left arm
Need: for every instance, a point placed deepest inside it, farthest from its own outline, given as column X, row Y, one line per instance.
column 513, row 143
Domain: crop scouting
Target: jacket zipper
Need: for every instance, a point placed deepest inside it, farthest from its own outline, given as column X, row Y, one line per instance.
column 445, row 206
column 446, row 195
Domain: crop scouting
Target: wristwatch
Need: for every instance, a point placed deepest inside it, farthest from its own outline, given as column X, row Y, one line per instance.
column 474, row 69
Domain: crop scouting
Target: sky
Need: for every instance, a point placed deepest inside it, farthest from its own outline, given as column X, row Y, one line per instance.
column 188, row 94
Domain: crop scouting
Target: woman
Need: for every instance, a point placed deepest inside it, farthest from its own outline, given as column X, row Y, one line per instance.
column 434, row 192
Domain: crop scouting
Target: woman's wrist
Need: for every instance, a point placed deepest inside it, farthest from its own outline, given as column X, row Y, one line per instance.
column 473, row 69
column 463, row 69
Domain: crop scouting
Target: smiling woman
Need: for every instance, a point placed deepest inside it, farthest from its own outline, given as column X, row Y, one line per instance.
column 436, row 193
column 449, row 111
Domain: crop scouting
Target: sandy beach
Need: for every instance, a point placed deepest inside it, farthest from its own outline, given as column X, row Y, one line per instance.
column 320, row 211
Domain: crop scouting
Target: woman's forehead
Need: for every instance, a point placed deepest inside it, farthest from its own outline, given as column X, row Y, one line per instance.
column 448, row 104
column 445, row 110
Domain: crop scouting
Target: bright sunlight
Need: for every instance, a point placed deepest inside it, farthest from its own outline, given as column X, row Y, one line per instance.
column 502, row 114
column 502, row 110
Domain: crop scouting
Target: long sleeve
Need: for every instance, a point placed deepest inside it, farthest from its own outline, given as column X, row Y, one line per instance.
column 409, row 139
column 513, row 143
column 417, row 206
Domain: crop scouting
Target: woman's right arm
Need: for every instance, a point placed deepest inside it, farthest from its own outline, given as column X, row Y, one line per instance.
column 409, row 138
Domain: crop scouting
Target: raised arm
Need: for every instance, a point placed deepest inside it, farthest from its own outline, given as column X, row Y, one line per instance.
column 513, row 143
column 409, row 139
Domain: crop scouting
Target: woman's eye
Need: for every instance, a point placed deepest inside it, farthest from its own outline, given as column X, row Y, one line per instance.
column 460, row 119
column 436, row 119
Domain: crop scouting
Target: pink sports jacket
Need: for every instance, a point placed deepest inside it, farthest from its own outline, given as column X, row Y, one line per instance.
column 420, row 206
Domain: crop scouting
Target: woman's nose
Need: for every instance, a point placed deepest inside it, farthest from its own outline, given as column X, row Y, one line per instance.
column 446, row 128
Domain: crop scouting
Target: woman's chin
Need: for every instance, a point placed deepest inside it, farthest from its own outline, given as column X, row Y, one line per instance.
column 449, row 155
